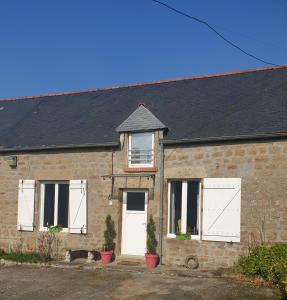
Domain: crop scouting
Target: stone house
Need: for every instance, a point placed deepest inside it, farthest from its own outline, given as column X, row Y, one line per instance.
column 204, row 155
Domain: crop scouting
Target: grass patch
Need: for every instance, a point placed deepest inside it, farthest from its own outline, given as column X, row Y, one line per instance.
column 266, row 262
column 22, row 257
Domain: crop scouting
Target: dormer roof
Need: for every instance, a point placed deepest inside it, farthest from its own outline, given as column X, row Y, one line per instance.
column 142, row 119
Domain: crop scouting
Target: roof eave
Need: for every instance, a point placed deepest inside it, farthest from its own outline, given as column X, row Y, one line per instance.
column 140, row 129
column 60, row 147
column 226, row 138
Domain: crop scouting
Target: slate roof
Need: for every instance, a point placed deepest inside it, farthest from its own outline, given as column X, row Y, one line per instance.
column 251, row 103
column 141, row 119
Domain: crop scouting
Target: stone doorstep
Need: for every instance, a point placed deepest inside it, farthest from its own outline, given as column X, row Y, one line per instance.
column 126, row 260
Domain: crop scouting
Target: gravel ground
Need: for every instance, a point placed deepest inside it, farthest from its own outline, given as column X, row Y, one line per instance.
column 25, row 282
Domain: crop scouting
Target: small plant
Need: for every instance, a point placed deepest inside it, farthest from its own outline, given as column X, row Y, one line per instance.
column 22, row 257
column 45, row 244
column 109, row 234
column 267, row 262
column 55, row 229
column 183, row 236
column 151, row 239
column 19, row 245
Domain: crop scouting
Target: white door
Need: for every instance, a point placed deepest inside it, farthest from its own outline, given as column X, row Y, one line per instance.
column 134, row 222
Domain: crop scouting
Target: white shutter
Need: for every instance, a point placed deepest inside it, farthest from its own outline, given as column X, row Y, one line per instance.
column 26, row 199
column 221, row 209
column 78, row 206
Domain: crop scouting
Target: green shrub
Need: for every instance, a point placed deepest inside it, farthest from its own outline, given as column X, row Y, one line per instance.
column 22, row 257
column 151, row 240
column 109, row 234
column 267, row 262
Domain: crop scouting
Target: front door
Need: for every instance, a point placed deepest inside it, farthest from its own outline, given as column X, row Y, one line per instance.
column 134, row 222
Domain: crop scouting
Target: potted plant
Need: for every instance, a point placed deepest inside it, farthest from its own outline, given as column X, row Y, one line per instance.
column 151, row 256
column 109, row 245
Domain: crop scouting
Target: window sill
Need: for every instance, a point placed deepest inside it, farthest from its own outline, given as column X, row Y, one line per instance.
column 192, row 238
column 140, row 169
column 45, row 229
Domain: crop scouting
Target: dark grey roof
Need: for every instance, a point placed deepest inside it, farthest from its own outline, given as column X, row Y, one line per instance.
column 141, row 119
column 215, row 107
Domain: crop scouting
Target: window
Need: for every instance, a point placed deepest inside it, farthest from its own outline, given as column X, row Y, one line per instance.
column 184, row 207
column 55, row 204
column 140, row 152
column 217, row 219
column 136, row 201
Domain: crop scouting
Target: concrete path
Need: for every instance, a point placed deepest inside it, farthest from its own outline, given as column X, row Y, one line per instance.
column 25, row 282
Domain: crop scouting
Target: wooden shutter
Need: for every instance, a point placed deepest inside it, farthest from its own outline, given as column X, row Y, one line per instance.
column 221, row 209
column 78, row 206
column 26, row 199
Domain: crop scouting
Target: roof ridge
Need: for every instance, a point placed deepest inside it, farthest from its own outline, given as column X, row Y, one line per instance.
column 143, row 84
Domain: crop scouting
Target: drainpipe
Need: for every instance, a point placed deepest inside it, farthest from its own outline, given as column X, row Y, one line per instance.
column 161, row 200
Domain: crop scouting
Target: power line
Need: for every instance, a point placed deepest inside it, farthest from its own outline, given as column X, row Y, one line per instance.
column 252, row 38
column 214, row 30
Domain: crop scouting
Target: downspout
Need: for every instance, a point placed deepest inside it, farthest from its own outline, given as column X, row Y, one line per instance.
column 161, row 200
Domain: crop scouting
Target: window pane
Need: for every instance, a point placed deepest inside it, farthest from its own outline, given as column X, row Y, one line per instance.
column 63, row 205
column 175, row 207
column 49, row 205
column 192, row 207
column 141, row 151
column 136, row 201
column 141, row 141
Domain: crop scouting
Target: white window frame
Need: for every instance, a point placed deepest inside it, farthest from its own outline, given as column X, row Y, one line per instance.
column 184, row 209
column 56, row 183
column 129, row 149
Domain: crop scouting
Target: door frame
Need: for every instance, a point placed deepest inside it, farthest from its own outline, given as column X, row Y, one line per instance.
column 124, row 205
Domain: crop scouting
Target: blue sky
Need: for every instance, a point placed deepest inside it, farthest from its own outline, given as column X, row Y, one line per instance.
column 68, row 45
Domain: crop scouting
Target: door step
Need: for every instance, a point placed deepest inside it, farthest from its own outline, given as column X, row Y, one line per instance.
column 130, row 261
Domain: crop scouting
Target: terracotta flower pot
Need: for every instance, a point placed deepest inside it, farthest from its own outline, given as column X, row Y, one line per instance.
column 151, row 260
column 106, row 256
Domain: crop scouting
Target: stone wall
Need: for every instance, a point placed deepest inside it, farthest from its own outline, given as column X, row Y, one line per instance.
column 263, row 169
column 261, row 165
column 56, row 166
column 91, row 165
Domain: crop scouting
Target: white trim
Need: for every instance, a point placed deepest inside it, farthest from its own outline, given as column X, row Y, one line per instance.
column 171, row 235
column 183, row 206
column 56, row 183
column 42, row 191
column 129, row 148
column 168, row 214
column 199, row 212
column 56, row 203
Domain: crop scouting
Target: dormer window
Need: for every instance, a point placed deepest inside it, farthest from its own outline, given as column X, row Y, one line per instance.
column 141, row 149
column 140, row 127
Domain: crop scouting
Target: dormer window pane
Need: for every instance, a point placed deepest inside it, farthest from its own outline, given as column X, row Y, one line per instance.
column 141, row 149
